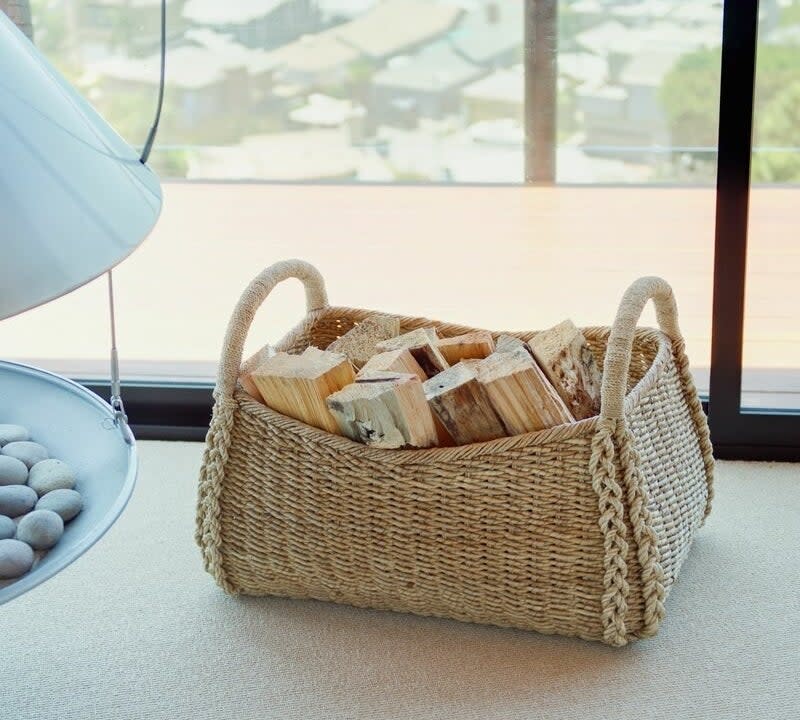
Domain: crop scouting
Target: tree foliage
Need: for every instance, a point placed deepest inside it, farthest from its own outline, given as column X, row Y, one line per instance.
column 690, row 97
column 779, row 128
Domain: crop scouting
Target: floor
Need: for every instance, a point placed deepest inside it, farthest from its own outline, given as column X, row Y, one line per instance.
column 135, row 629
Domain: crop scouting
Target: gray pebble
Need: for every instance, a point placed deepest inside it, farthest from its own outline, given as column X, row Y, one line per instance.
column 41, row 529
column 49, row 475
column 66, row 503
column 16, row 558
column 12, row 471
column 13, row 433
column 7, row 528
column 29, row 452
column 16, row 500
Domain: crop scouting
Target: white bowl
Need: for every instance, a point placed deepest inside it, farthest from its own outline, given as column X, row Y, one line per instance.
column 77, row 427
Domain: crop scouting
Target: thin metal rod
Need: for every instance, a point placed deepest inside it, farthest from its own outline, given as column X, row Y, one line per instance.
column 116, row 391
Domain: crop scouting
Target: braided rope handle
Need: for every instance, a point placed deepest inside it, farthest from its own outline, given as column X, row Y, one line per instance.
column 616, row 488
column 249, row 303
column 620, row 343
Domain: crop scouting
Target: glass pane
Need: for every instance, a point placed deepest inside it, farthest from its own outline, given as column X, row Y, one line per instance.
column 634, row 89
column 403, row 90
column 771, row 372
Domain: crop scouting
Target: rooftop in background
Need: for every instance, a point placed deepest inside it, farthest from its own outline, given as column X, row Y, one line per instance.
column 200, row 62
column 397, row 26
column 436, row 68
column 228, row 12
column 614, row 37
column 504, row 85
column 490, row 34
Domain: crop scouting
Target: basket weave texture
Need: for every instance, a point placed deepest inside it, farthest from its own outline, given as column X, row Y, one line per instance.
column 579, row 529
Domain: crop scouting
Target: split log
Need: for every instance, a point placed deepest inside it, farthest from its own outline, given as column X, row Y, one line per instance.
column 298, row 385
column 386, row 410
column 565, row 356
column 401, row 361
column 421, row 344
column 509, row 343
column 358, row 344
column 398, row 361
column 474, row 345
column 520, row 393
column 463, row 406
column 251, row 364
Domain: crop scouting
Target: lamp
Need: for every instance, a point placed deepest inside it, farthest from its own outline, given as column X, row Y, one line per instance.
column 75, row 200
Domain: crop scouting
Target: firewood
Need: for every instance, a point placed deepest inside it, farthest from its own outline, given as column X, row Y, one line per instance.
column 565, row 356
column 386, row 410
column 359, row 343
column 474, row 345
column 402, row 365
column 298, row 385
column 520, row 393
column 463, row 405
column 421, row 343
column 399, row 361
column 251, row 364
column 509, row 343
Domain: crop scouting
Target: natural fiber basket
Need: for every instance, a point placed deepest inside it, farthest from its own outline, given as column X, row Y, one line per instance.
column 579, row 529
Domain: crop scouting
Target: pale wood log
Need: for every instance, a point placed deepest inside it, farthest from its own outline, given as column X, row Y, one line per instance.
column 567, row 360
column 249, row 365
column 474, row 345
column 359, row 342
column 509, row 343
column 520, row 393
column 386, row 410
column 421, row 343
column 298, row 385
column 403, row 365
column 463, row 406
column 399, row 361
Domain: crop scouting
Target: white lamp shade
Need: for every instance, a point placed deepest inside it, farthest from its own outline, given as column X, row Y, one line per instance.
column 74, row 198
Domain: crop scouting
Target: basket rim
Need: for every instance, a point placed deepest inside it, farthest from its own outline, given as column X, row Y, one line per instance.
column 410, row 456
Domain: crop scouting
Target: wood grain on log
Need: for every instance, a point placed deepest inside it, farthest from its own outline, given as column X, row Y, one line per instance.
column 249, row 366
column 474, row 345
column 567, row 360
column 520, row 393
column 386, row 410
column 298, row 385
column 421, row 343
column 358, row 344
column 463, row 406
column 399, row 361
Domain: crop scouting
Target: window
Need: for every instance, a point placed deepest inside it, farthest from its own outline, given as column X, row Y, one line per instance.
column 503, row 163
column 771, row 374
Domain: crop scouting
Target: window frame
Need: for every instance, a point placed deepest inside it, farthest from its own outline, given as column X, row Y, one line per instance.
column 738, row 432
column 181, row 411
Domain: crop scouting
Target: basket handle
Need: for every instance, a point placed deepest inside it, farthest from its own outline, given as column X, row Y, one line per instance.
column 249, row 303
column 620, row 342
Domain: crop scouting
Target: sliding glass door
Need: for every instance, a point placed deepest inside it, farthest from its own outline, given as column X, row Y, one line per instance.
column 755, row 367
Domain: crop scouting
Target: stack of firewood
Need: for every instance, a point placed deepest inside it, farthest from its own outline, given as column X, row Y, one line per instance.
column 391, row 390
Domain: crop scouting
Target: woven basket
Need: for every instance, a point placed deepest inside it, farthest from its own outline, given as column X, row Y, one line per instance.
column 579, row 529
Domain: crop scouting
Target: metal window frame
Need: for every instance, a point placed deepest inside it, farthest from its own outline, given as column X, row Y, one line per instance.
column 738, row 432
column 181, row 411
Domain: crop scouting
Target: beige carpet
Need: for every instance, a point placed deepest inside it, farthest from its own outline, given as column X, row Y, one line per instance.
column 136, row 629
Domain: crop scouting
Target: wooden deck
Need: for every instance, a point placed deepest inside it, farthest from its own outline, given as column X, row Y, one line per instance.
column 499, row 257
